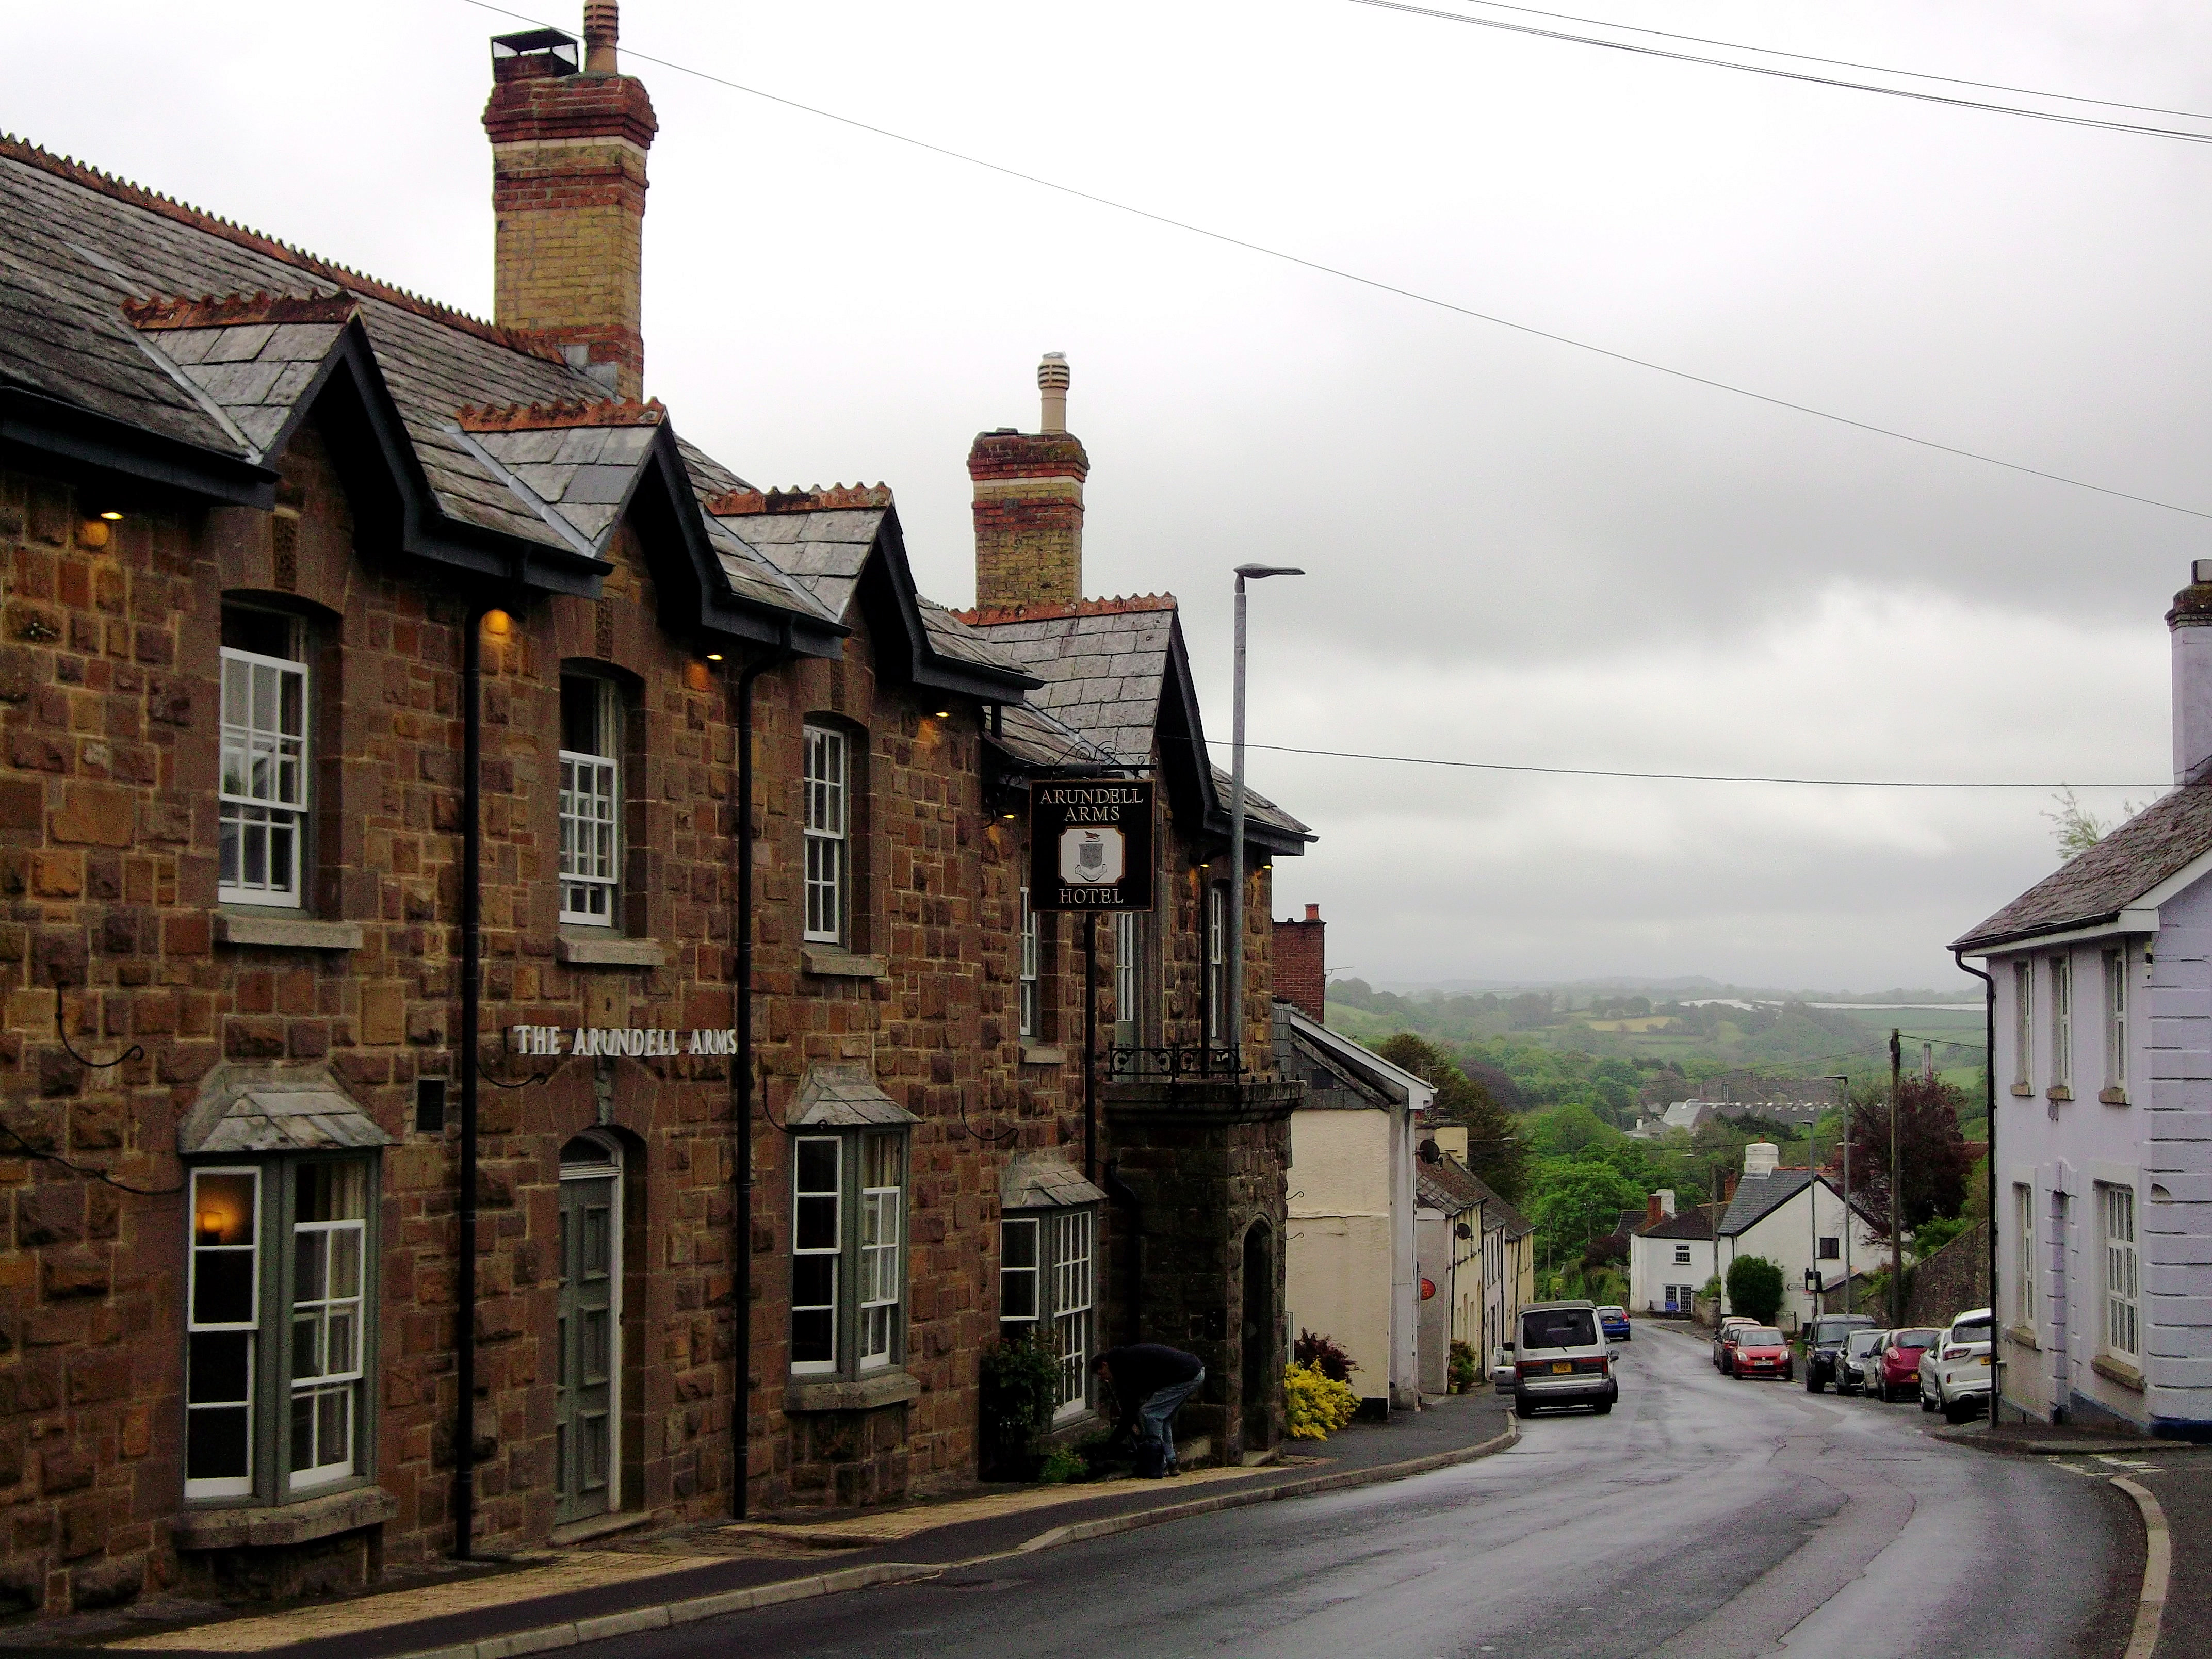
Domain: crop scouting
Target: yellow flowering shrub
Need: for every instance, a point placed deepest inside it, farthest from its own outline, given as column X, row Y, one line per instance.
column 1313, row 1405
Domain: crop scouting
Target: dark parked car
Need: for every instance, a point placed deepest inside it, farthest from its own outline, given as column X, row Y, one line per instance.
column 1824, row 1343
column 1858, row 1351
column 1894, row 1372
column 1759, row 1350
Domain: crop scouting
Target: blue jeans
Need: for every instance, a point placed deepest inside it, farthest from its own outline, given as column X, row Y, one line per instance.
column 1156, row 1416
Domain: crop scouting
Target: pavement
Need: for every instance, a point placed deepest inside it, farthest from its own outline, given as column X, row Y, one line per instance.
column 2178, row 1478
column 1703, row 1519
column 635, row 1582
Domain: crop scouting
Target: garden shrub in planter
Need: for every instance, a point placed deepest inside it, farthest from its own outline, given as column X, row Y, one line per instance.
column 1463, row 1371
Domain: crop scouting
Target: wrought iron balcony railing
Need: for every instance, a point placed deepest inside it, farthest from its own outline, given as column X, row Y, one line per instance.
column 1177, row 1061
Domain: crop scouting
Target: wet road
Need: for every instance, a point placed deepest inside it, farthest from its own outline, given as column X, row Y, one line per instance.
column 1705, row 1518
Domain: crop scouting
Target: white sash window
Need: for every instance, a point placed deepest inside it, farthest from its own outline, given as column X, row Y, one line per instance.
column 824, row 779
column 262, row 780
column 591, row 802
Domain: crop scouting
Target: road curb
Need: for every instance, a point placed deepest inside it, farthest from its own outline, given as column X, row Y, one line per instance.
column 2158, row 1565
column 1082, row 1531
column 572, row 1632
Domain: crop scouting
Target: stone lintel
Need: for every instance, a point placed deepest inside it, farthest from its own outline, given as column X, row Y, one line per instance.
column 286, row 932
column 835, row 1395
column 284, row 1523
column 585, row 950
column 826, row 964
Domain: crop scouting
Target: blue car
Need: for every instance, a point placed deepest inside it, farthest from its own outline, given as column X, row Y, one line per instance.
column 1615, row 1321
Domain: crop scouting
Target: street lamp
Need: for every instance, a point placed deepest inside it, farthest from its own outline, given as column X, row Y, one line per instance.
column 1244, row 572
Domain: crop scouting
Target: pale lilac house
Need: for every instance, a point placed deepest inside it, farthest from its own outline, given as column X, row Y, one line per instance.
column 2103, row 1131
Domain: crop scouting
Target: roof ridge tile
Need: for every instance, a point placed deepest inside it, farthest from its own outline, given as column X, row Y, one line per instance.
column 554, row 416
column 233, row 310
column 741, row 503
column 1050, row 610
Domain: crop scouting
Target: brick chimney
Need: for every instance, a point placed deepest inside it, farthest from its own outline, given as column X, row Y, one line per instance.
column 1029, row 505
column 1301, row 970
column 567, row 158
column 2191, row 622
column 1654, row 1211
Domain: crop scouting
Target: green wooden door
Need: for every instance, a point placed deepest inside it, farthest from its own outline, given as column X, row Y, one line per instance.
column 588, row 1344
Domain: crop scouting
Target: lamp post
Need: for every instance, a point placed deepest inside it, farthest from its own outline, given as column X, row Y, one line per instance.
column 1844, row 1094
column 1244, row 572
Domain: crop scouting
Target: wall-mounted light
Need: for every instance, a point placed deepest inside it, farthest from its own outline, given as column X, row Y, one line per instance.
column 111, row 516
column 714, row 656
column 945, row 713
column 498, row 622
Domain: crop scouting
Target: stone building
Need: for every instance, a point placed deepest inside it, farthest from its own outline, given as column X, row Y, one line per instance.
column 412, row 745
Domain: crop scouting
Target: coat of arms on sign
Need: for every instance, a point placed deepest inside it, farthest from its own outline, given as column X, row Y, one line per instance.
column 1091, row 855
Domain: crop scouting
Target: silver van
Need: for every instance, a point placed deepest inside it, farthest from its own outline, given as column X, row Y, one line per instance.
column 1560, row 1357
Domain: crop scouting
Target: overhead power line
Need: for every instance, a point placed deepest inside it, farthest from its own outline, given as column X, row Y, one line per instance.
column 2138, row 128
column 1841, row 63
column 1675, row 777
column 1376, row 284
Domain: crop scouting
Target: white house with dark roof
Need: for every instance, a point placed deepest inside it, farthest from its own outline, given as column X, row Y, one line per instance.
column 1795, row 1219
column 1670, row 1256
column 2102, row 1137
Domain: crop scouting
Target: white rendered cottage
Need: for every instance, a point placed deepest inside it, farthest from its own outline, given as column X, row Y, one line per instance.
column 2103, row 1131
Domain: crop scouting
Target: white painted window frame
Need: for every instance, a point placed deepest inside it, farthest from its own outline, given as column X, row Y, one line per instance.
column 262, row 776
column 591, row 818
column 2121, row 1328
column 1027, row 977
column 826, row 820
column 2115, row 1018
column 2062, row 1021
column 2023, row 1024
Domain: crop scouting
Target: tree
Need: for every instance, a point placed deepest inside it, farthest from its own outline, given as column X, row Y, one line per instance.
column 1580, row 1198
column 1495, row 1149
column 1931, row 1147
column 1754, row 1288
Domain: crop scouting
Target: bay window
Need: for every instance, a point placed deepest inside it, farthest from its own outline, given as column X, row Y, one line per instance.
column 277, row 1340
column 262, row 776
column 1047, row 1287
column 849, row 1252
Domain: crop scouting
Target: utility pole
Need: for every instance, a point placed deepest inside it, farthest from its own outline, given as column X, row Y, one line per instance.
column 1896, row 1189
column 1844, row 1094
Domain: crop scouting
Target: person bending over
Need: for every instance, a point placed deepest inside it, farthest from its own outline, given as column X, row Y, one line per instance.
column 1150, row 1382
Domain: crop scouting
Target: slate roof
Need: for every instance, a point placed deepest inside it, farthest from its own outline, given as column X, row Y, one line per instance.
column 254, row 1110
column 1496, row 1210
column 1695, row 1222
column 1758, row 1196
column 1446, row 1185
column 1037, row 738
column 1043, row 1181
column 1104, row 664
column 843, row 1097
column 2158, row 843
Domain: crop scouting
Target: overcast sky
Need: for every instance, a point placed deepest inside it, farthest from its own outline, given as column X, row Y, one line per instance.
column 1517, row 551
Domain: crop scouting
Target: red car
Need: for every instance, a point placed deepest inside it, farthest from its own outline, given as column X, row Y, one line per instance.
column 1893, row 1372
column 1759, row 1350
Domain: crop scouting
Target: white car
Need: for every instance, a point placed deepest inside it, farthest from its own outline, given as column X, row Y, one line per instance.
column 1954, row 1372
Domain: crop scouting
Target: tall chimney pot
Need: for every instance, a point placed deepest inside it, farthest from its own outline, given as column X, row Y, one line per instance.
column 2190, row 623
column 1052, row 381
column 1313, row 913
column 602, row 26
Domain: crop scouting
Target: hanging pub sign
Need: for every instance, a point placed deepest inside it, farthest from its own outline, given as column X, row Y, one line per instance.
column 1091, row 844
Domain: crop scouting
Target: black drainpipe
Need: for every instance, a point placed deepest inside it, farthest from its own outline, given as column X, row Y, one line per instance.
column 1990, row 1094
column 465, row 1331
column 1133, row 1209
column 741, row 1081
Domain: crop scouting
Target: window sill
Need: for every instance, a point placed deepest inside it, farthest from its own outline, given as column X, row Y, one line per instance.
column 837, row 1395
column 284, row 1523
column 2113, row 1096
column 285, row 933
column 827, row 962
column 1040, row 1053
column 591, row 949
column 2023, row 1089
column 2021, row 1336
column 2118, row 1371
column 2059, row 1091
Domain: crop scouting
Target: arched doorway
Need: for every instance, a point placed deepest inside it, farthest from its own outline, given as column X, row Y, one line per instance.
column 1260, row 1362
column 587, row 1364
